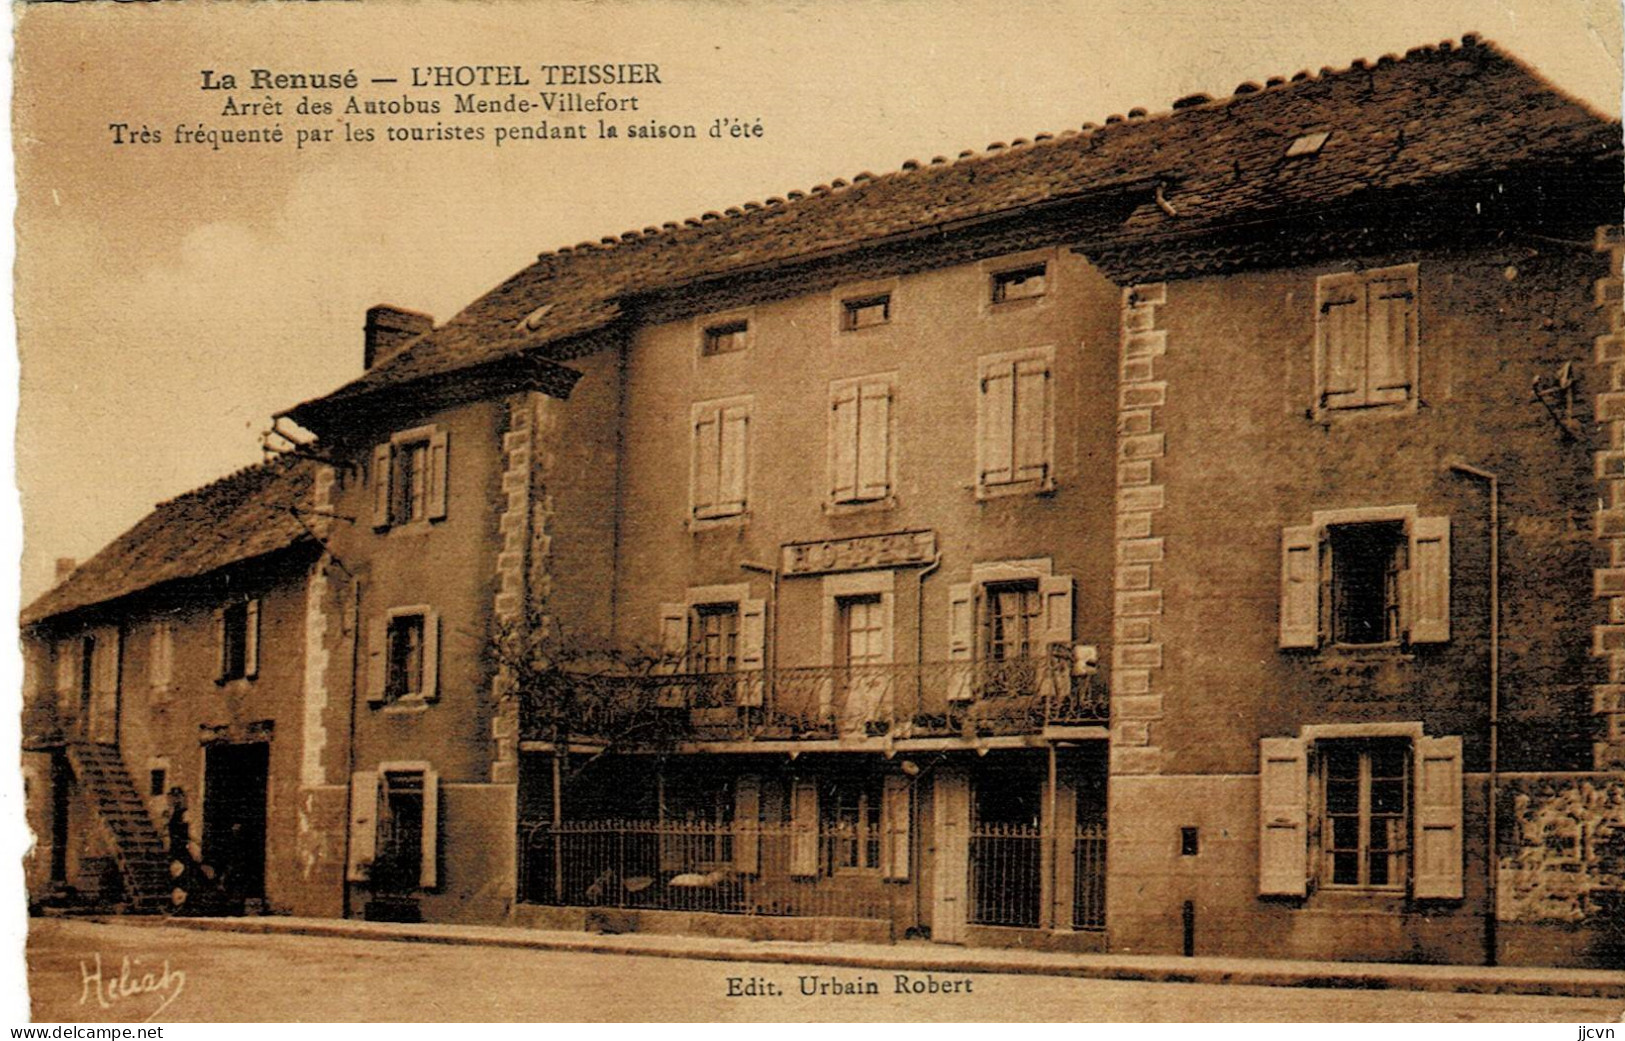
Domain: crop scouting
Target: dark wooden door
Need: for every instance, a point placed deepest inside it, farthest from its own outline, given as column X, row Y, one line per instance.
column 234, row 806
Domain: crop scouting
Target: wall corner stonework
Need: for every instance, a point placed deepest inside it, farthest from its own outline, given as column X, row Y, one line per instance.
column 1608, row 640
column 521, row 566
column 1137, row 605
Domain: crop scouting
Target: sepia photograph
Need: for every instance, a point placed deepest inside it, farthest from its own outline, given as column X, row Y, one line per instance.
column 648, row 511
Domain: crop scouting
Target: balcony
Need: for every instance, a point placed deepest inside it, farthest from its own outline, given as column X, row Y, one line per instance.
column 958, row 699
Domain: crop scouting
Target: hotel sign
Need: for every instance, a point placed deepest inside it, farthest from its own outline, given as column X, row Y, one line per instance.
column 863, row 553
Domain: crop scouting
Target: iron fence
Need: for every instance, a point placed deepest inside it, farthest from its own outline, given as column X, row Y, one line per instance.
column 1089, row 876
column 1006, row 881
column 930, row 699
column 775, row 869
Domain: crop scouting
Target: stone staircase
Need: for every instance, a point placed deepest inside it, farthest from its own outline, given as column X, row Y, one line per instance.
column 138, row 849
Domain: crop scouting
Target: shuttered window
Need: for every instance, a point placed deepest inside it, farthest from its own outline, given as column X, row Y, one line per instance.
column 860, row 456
column 409, row 474
column 1015, row 421
column 237, row 638
column 1366, row 582
column 403, row 656
column 1366, row 335
column 720, row 459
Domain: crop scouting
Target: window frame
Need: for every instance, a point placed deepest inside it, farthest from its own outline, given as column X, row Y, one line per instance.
column 866, row 834
column 402, row 666
column 708, row 328
column 1361, row 281
column 854, row 306
column 388, row 489
column 1400, row 857
column 381, row 688
column 1001, row 279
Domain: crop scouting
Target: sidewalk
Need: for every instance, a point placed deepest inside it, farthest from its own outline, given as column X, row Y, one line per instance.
column 920, row 956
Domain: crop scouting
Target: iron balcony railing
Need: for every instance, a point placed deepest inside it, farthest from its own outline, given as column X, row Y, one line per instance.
column 930, row 699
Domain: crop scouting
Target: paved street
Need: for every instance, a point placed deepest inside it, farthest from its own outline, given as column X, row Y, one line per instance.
column 231, row 976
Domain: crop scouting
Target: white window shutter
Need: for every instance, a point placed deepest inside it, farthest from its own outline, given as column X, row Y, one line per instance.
column 747, row 828
column 707, row 459
column 951, row 817
column 161, row 659
column 752, row 649
column 381, row 474
column 363, row 824
column 1300, row 587
column 377, row 658
column 1342, row 339
column 1390, row 338
column 1030, row 427
column 995, row 424
column 220, row 644
column 961, row 639
column 67, row 673
column 843, row 445
column 895, row 795
column 1438, row 819
column 439, row 473
column 1055, row 595
column 429, row 872
column 1429, row 599
column 1283, row 807
column 803, row 828
column 733, row 468
column 874, row 442
column 431, row 655
column 251, row 640
column 673, row 651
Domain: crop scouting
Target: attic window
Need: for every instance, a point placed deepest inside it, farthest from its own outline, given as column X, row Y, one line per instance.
column 726, row 338
column 1308, row 144
column 533, row 321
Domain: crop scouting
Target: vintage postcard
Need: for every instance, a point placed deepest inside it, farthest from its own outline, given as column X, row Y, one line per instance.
column 1109, row 510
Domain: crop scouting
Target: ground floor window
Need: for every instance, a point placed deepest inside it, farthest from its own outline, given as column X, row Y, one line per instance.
column 1366, row 822
column 852, row 824
column 399, row 862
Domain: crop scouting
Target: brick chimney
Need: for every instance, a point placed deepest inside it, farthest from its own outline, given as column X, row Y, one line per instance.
column 389, row 328
column 64, row 568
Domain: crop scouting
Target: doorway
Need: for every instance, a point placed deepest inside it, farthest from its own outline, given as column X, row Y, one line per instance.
column 235, row 780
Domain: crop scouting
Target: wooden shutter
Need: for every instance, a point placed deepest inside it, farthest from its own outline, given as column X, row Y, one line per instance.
column 874, row 442
column 951, row 869
column 895, row 796
column 431, row 655
column 161, row 659
column 1390, row 338
column 1283, row 805
column 363, row 824
column 961, row 640
column 377, row 658
column 673, row 650
column 707, row 449
column 1438, row 819
column 103, row 722
column 429, row 872
column 1341, row 331
column 220, row 645
column 747, row 828
column 995, row 424
column 1030, row 426
column 1429, row 577
column 439, row 446
column 733, row 467
column 844, row 434
column 1055, row 596
column 1300, row 587
column 381, row 467
column 251, row 640
column 67, row 674
column 803, row 828
column 752, row 642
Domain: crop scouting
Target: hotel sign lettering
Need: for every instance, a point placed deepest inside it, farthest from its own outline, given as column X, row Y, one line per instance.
column 863, row 553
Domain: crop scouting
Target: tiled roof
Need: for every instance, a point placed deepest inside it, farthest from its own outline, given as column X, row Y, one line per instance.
column 250, row 513
column 1437, row 113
